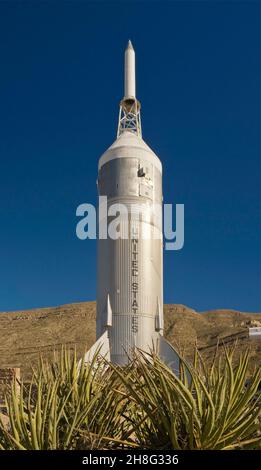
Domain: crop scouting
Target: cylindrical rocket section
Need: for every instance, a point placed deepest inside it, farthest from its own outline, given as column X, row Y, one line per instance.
column 129, row 80
column 130, row 279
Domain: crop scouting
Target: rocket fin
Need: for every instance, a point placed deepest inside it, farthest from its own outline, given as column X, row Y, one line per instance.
column 159, row 322
column 109, row 312
column 102, row 345
column 169, row 355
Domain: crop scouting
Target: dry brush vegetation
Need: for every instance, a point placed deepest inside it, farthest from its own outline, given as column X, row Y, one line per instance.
column 25, row 334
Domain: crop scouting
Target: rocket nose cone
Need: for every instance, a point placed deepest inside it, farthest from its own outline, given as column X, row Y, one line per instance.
column 129, row 45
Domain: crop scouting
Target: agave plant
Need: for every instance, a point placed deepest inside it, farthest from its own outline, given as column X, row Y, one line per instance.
column 204, row 408
column 66, row 407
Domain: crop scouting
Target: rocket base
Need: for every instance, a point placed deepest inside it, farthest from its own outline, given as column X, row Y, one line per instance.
column 164, row 350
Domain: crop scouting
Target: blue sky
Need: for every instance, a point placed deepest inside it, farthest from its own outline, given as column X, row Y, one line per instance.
column 198, row 78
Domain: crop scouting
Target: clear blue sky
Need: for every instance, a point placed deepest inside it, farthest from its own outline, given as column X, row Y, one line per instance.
column 198, row 78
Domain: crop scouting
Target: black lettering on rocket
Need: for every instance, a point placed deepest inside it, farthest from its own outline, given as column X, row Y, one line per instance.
column 134, row 282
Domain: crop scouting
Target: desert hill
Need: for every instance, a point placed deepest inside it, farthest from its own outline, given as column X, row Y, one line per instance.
column 23, row 334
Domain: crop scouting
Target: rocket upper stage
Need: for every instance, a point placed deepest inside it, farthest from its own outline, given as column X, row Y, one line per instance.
column 129, row 116
column 129, row 72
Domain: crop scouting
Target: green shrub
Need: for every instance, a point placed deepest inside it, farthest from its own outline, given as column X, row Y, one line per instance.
column 69, row 405
column 66, row 406
column 216, row 410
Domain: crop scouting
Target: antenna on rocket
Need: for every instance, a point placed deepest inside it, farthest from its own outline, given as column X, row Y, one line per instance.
column 129, row 114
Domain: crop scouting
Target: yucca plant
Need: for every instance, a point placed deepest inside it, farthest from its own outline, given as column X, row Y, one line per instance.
column 66, row 406
column 144, row 405
column 215, row 409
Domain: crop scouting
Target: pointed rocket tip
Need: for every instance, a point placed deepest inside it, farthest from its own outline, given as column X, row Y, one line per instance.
column 129, row 46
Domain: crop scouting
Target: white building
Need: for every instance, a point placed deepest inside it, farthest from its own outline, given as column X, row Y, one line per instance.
column 255, row 333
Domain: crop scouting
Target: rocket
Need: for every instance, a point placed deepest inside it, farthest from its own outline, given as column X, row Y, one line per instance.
column 129, row 313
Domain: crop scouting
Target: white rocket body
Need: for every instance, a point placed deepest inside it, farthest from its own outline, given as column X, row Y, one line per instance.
column 130, row 267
